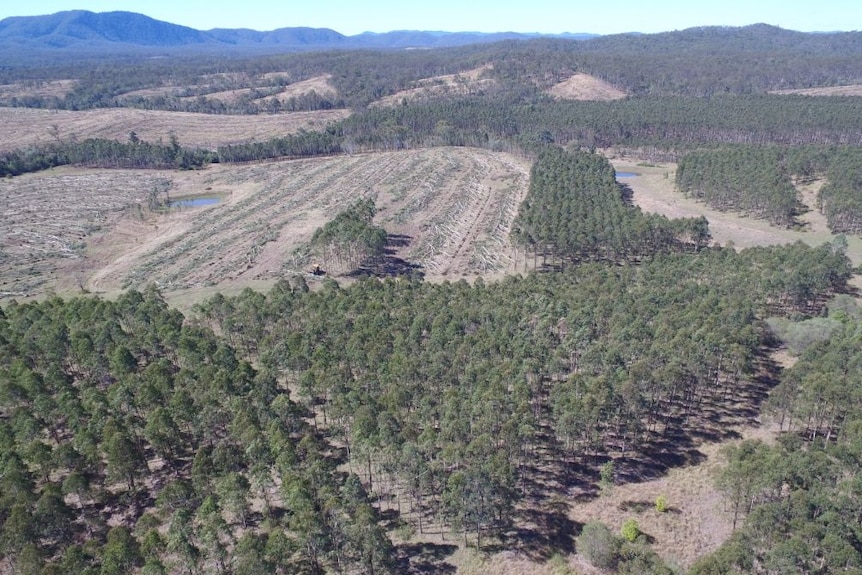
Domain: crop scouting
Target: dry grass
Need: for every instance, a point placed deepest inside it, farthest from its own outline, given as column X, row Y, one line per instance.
column 21, row 127
column 654, row 191
column 696, row 522
column 850, row 90
column 585, row 87
column 37, row 89
column 464, row 83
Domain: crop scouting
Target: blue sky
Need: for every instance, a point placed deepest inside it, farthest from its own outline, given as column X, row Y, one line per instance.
column 548, row 16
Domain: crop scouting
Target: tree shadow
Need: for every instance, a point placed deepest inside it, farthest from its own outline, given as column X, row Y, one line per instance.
column 417, row 558
column 626, row 194
column 541, row 531
column 389, row 264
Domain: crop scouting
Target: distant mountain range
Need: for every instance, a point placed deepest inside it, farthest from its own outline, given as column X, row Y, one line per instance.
column 84, row 30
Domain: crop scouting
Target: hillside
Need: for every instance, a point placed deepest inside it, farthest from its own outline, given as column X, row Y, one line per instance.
column 116, row 31
column 537, row 306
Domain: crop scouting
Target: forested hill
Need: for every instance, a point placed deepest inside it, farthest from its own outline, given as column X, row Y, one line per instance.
column 82, row 29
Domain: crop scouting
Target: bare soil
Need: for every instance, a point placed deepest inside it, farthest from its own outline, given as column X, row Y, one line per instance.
column 21, row 127
column 585, row 87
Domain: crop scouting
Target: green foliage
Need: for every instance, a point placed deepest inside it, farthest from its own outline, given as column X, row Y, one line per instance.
column 661, row 504
column 598, row 545
column 630, row 530
column 606, row 478
column 351, row 240
column 748, row 179
column 102, row 153
column 800, row 335
column 640, row 559
column 575, row 211
column 841, row 197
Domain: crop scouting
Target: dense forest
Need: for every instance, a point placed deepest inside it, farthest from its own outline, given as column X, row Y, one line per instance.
column 759, row 181
column 102, row 153
column 575, row 211
column 322, row 428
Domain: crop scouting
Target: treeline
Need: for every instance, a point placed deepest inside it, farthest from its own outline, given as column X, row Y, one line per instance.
column 759, row 181
column 131, row 441
column 103, row 153
column 351, row 240
column 800, row 498
column 448, row 396
column 840, row 198
column 665, row 126
column 748, row 179
column 574, row 211
column 301, row 144
column 669, row 123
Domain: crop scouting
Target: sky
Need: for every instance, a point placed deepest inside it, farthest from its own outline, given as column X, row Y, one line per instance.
column 545, row 16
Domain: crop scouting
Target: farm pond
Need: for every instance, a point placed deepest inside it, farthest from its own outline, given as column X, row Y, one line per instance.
column 193, row 202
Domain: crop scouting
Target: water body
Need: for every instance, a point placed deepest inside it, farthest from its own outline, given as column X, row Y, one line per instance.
column 193, row 202
column 626, row 175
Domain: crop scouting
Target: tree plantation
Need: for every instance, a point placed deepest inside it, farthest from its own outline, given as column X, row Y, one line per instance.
column 348, row 416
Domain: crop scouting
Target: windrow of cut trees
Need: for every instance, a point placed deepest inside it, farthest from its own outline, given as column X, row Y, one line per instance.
column 131, row 441
column 574, row 211
column 447, row 397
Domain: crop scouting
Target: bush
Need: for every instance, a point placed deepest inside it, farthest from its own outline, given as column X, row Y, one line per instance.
column 630, row 530
column 661, row 503
column 598, row 545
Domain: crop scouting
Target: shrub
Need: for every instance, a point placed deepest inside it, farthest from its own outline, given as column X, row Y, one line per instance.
column 630, row 530
column 606, row 478
column 598, row 545
column 661, row 503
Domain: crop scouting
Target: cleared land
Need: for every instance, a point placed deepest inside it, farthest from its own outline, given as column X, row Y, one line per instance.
column 37, row 89
column 585, row 87
column 653, row 190
column 47, row 220
column 449, row 208
column 464, row 83
column 850, row 90
column 21, row 127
